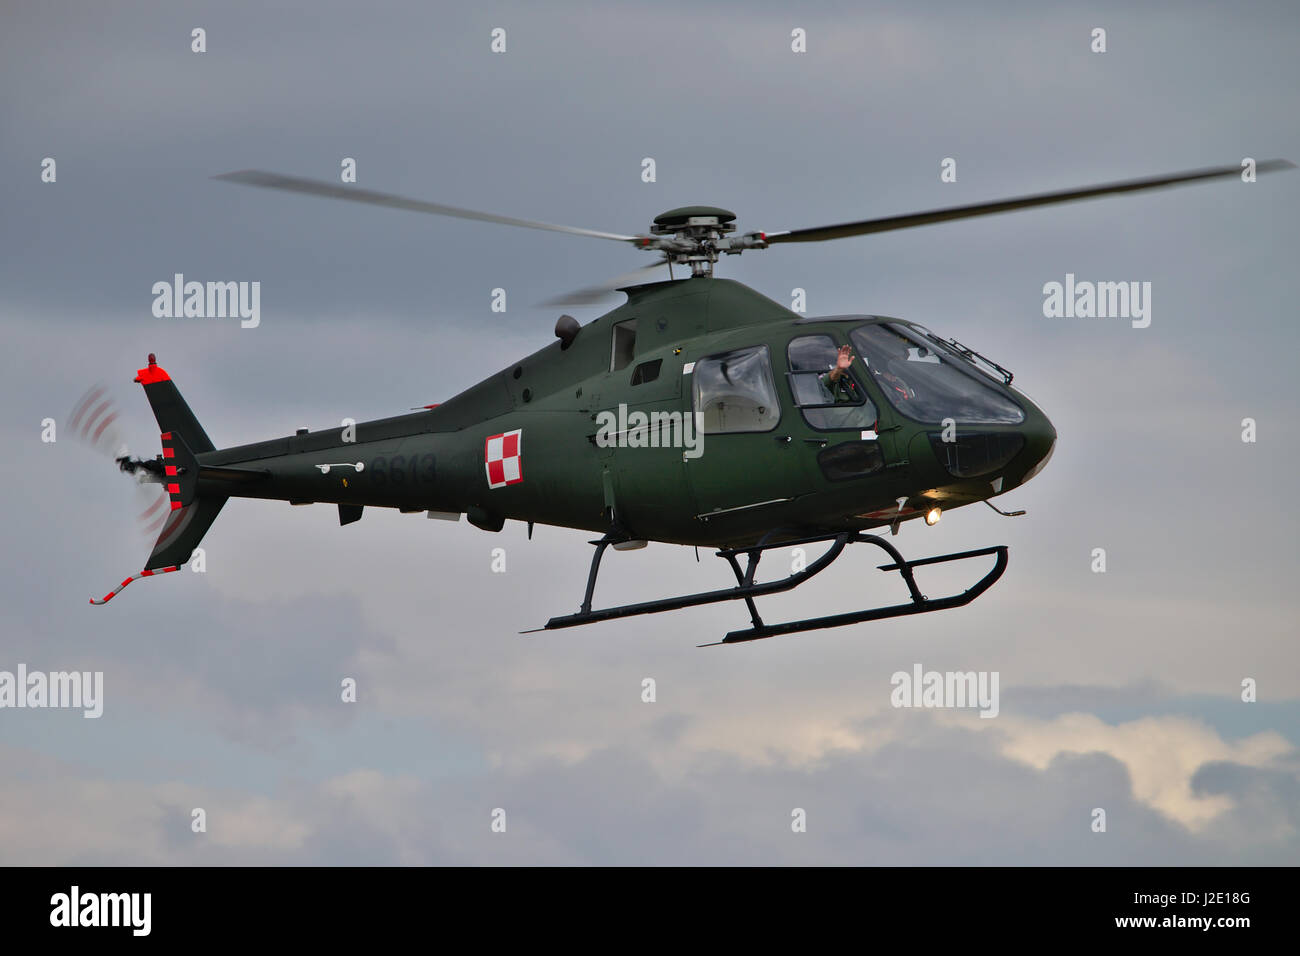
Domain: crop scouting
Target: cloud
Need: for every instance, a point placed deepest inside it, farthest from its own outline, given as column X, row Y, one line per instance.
column 1161, row 754
column 937, row 795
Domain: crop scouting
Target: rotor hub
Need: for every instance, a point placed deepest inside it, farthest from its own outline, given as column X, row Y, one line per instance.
column 695, row 235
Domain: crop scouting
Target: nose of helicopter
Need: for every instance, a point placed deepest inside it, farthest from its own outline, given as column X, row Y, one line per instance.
column 1040, row 442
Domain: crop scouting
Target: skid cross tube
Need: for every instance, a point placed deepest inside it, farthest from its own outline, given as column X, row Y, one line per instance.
column 747, row 589
column 920, row 603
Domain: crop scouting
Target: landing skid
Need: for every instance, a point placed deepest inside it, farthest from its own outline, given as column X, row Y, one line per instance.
column 747, row 589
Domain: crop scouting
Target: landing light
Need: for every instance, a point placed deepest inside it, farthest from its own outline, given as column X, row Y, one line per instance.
column 932, row 516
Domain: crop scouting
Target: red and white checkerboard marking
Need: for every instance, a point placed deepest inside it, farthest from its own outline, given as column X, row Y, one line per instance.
column 503, row 458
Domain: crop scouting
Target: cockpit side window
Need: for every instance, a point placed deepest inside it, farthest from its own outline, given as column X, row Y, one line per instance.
column 926, row 382
column 827, row 403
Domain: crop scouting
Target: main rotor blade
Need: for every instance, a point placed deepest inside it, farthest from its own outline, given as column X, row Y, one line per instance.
column 316, row 187
column 865, row 226
column 594, row 293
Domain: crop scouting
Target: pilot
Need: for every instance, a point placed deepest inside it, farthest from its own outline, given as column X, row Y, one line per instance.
column 837, row 385
column 898, row 388
column 885, row 374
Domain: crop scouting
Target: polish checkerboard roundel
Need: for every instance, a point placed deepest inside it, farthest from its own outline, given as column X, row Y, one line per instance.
column 503, row 458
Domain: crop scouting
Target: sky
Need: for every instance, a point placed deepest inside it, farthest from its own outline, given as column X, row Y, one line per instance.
column 1119, row 691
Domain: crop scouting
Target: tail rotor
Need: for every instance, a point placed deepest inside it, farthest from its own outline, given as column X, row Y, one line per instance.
column 94, row 423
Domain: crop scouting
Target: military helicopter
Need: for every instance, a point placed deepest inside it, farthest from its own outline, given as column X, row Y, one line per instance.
column 699, row 412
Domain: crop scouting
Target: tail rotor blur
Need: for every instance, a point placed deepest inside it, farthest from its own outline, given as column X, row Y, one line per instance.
column 94, row 423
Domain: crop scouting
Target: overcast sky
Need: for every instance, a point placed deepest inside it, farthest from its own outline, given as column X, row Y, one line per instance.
column 1119, row 691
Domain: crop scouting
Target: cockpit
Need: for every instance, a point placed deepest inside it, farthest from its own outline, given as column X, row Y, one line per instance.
column 862, row 394
column 927, row 381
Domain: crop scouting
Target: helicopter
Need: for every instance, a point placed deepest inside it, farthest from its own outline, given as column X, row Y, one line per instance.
column 697, row 413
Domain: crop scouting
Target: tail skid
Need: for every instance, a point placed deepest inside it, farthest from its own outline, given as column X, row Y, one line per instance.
column 135, row 577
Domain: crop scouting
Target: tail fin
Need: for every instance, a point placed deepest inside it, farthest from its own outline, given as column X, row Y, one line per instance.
column 183, row 439
column 169, row 407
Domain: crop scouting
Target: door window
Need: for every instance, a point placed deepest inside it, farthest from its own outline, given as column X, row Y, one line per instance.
column 826, row 403
column 734, row 392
